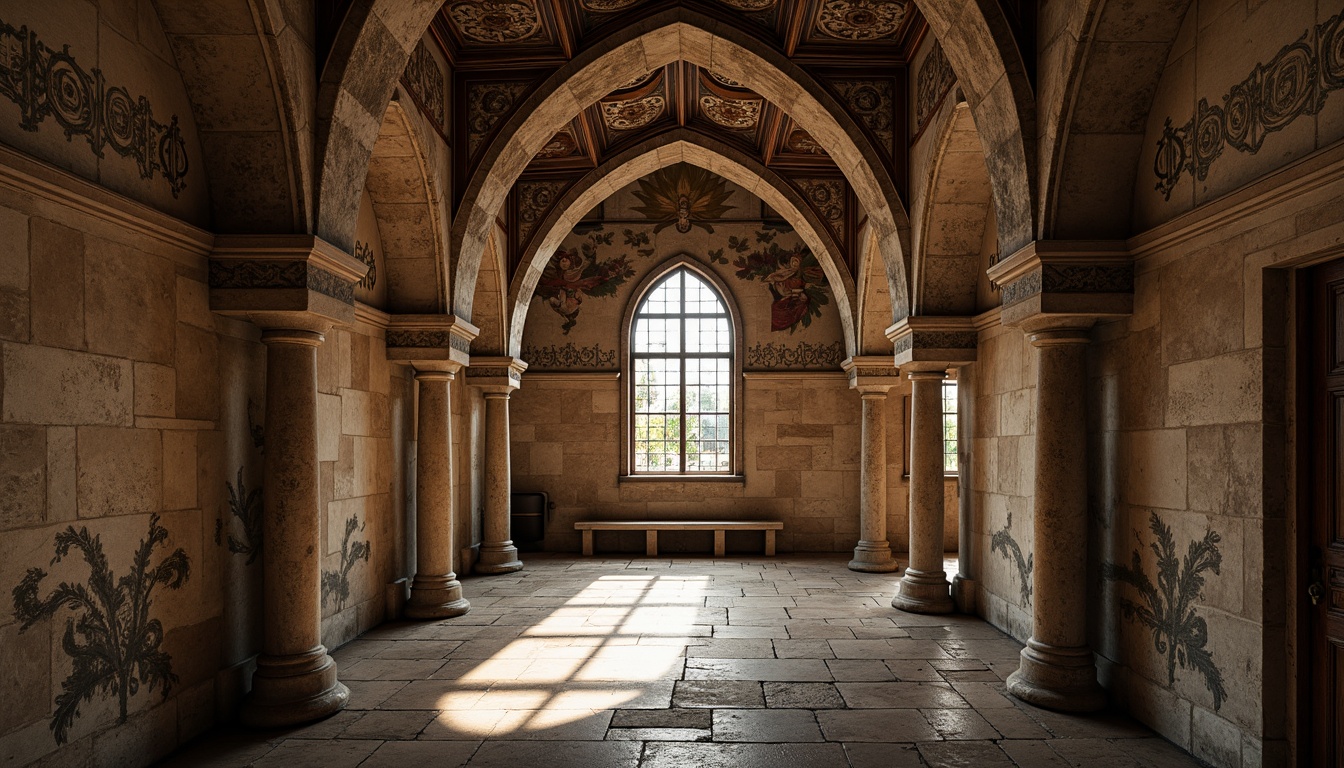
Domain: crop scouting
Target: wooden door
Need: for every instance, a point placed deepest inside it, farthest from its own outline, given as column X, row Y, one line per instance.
column 1326, row 560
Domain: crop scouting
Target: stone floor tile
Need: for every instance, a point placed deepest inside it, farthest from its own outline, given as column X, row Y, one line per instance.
column 802, row 696
column 369, row 694
column 659, row 734
column 900, row 695
column 440, row 754
column 1031, row 753
column 964, row 754
column 389, row 725
column 817, row 630
column 391, row 669
column 715, row 648
column 887, row 649
column 1013, row 723
column 418, row 649
column 985, row 695
column 661, row 718
column 883, row 756
column 860, row 670
column 970, row 676
column 803, row 649
column 674, row 755
column 913, row 671
column 309, row 753
column 434, row 695
column 1103, row 725
column 326, row 728
column 729, row 631
column 556, row 754
column 960, row 724
column 718, row 693
column 1092, row 753
column 801, row 670
column 765, row 725
column 875, row 725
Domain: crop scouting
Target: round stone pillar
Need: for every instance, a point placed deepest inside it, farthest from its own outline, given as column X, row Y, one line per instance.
column 435, row 592
column 498, row 554
column 873, row 553
column 924, row 587
column 295, row 681
column 1057, row 670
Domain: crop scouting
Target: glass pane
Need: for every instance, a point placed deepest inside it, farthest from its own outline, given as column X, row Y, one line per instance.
column 666, row 298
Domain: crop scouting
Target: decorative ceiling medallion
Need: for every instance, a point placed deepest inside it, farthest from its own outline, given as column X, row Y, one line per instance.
column 487, row 104
column 749, row 5
column 801, row 141
column 827, row 197
column 495, row 21
column 563, row 144
column 861, row 19
column 607, row 6
column 535, row 198
column 633, row 114
column 872, row 102
column 738, row 114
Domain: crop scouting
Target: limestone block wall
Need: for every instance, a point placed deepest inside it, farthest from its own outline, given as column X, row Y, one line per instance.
column 132, row 419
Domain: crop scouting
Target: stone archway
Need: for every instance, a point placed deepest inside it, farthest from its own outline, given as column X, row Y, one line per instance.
column 666, row 37
column 873, row 291
column 958, row 200
column 676, row 146
column 408, row 205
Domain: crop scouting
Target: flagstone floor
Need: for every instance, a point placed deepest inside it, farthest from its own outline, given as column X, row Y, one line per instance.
column 741, row 663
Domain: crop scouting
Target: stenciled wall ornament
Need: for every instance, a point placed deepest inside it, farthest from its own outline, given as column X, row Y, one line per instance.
column 1003, row 542
column 245, row 506
column 1294, row 83
column 112, row 642
column 801, row 356
column 425, row 81
column 336, row 584
column 45, row 82
column 1168, row 607
column 364, row 252
column 487, row 105
column 935, row 80
column 568, row 357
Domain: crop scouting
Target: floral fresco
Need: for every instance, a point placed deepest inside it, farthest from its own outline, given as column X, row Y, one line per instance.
column 570, row 275
column 793, row 275
column 684, row 196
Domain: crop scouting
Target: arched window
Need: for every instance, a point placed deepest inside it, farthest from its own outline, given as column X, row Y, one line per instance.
column 681, row 390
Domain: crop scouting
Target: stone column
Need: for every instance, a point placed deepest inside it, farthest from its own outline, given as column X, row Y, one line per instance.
column 873, row 553
column 435, row 592
column 498, row 554
column 295, row 681
column 294, row 287
column 1057, row 669
column 963, row 584
column 924, row 587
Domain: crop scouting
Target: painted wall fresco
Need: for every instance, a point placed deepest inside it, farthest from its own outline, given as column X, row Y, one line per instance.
column 683, row 196
column 573, row 274
column 111, row 639
column 102, row 98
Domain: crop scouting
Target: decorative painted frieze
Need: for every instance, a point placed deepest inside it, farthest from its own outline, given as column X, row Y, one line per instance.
column 771, row 356
column 569, row 357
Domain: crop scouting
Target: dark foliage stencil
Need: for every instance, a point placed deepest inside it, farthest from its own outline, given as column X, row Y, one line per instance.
column 112, row 641
column 1004, row 543
column 1178, row 632
column 246, row 506
column 336, row 584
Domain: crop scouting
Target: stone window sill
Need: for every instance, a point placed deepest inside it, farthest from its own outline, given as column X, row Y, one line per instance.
column 738, row 479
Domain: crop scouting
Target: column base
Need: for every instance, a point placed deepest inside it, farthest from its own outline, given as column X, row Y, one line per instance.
column 1062, row 679
column 923, row 592
column 293, row 690
column 498, row 558
column 873, row 557
column 436, row 597
column 963, row 594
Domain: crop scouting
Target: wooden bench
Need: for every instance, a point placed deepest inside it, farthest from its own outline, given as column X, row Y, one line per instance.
column 652, row 527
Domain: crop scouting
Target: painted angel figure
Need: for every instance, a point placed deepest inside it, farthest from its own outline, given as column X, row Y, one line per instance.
column 570, row 276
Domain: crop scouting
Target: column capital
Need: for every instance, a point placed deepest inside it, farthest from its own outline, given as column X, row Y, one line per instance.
column 926, row 374
column 430, row 342
column 871, row 374
column 498, row 375
column 933, row 342
column 1066, row 280
column 284, row 281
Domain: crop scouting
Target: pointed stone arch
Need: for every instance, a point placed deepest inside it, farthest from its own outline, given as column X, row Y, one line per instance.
column 663, row 38
column 873, row 291
column 676, row 146
column 408, row 205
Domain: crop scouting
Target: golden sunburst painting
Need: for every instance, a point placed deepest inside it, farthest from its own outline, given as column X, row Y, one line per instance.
column 685, row 196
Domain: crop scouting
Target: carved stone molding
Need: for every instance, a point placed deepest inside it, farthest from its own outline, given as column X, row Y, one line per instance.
column 1064, row 279
column 933, row 342
column 496, row 374
column 430, row 342
column 284, row 281
column 872, row 373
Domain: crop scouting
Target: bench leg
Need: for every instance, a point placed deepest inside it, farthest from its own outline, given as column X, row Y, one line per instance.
column 587, row 543
column 651, row 543
column 769, row 543
column 719, row 548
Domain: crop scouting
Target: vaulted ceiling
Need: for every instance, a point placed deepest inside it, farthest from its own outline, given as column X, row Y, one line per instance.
column 499, row 50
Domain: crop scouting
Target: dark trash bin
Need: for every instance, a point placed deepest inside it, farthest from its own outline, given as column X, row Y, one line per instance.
column 527, row 520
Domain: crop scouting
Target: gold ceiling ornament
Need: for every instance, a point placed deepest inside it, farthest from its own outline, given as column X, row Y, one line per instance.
column 738, row 114
column 683, row 196
column 495, row 21
column 607, row 6
column 633, row 113
column 861, row 19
